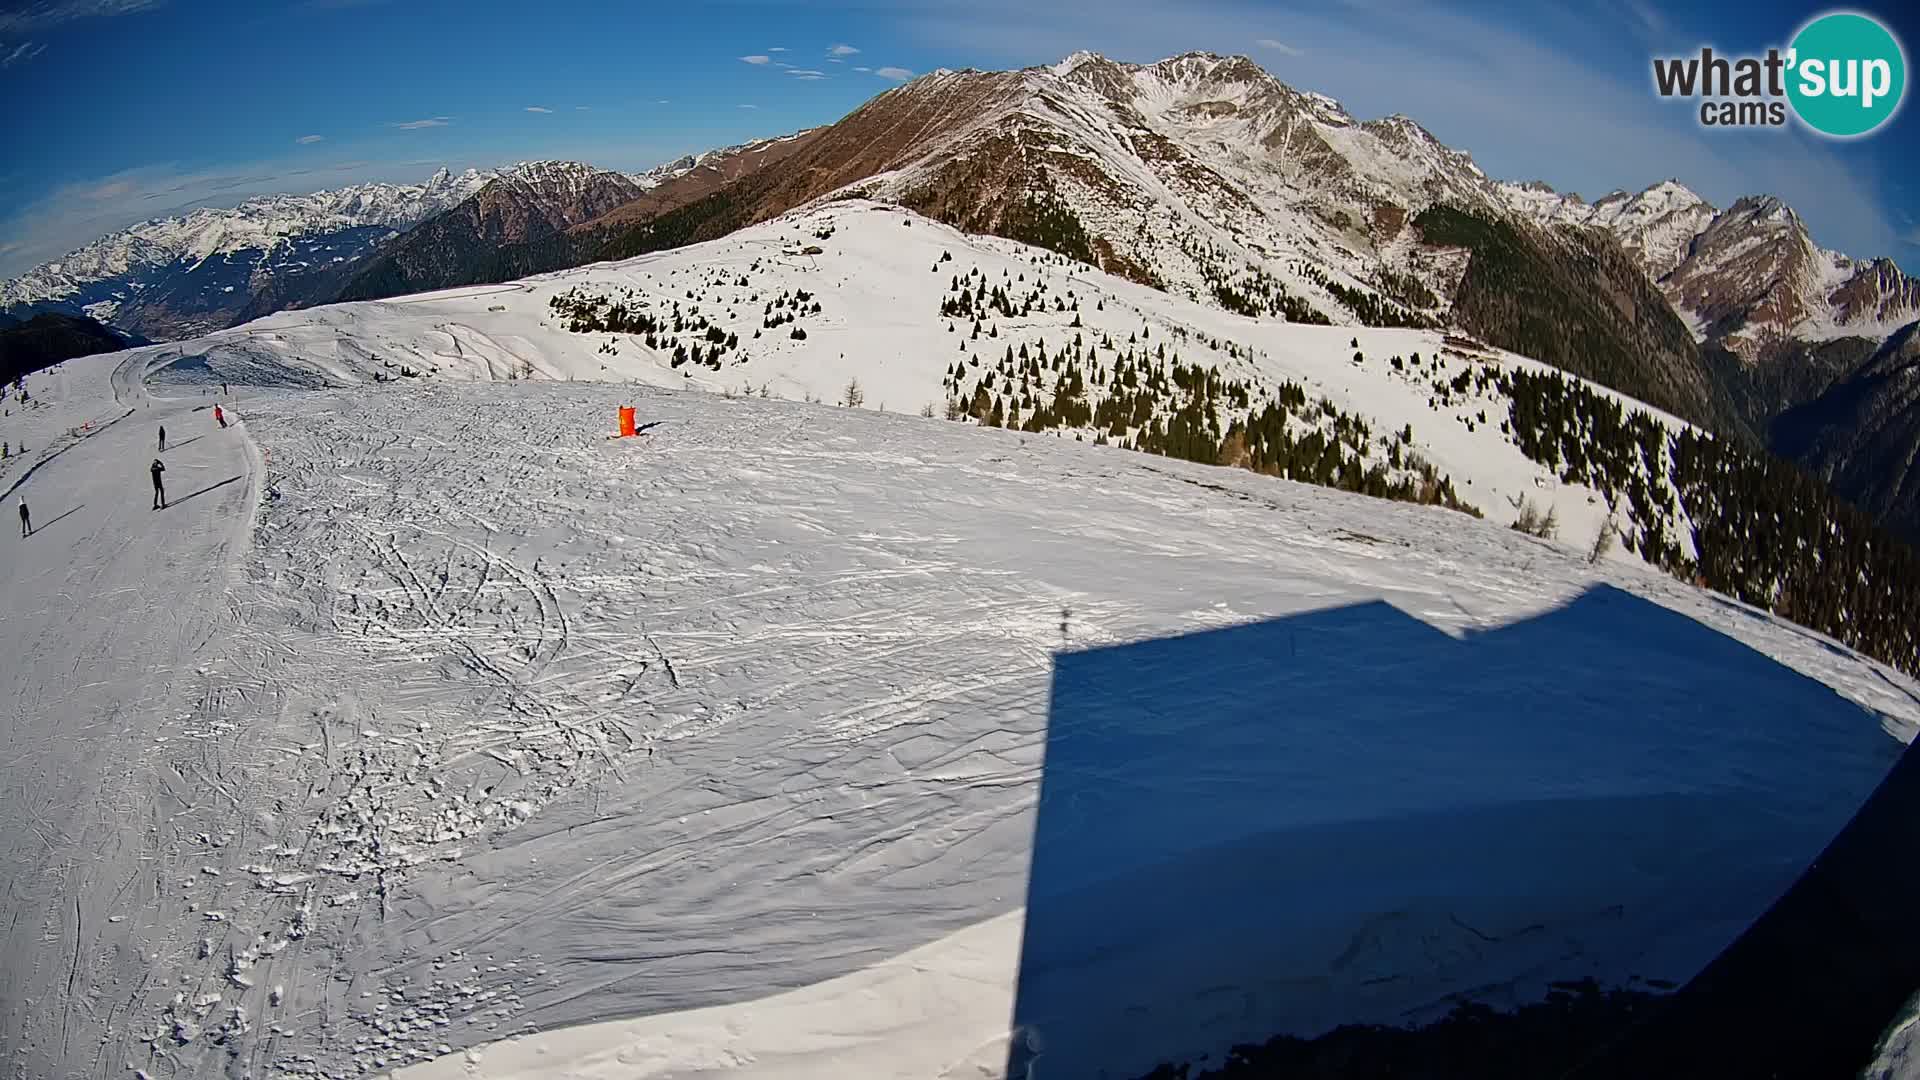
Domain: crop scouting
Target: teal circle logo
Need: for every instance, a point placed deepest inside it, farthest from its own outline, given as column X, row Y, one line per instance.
column 1847, row 74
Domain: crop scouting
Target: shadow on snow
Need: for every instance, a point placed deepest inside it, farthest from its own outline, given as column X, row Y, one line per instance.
column 43, row 527
column 1349, row 817
column 171, row 503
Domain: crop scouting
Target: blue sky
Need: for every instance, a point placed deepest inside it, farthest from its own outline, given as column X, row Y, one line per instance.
column 118, row 110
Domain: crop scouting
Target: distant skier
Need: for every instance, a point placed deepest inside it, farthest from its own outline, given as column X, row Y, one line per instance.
column 26, row 519
column 159, row 487
column 223, row 390
column 163, row 438
column 219, row 417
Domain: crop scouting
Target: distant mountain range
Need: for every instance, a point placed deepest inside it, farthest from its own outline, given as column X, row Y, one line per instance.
column 512, row 230
column 176, row 277
column 179, row 276
column 1201, row 175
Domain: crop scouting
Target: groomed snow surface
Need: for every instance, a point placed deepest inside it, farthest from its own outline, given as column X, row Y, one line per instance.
column 432, row 730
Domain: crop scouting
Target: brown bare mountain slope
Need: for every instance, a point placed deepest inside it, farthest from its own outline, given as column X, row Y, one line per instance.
column 503, row 230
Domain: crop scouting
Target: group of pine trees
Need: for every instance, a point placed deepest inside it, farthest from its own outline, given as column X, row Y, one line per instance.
column 1251, row 291
column 1013, row 297
column 685, row 335
column 688, row 336
column 1763, row 531
column 1372, row 309
column 1044, row 220
column 1577, row 303
column 1140, row 394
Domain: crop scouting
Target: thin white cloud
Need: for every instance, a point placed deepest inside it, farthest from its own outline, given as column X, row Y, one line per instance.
column 309, row 140
column 857, row 68
column 1646, row 22
column 748, row 106
column 842, row 50
column 105, row 191
column 897, row 74
column 757, row 58
column 778, row 48
column 537, row 108
column 781, row 64
column 22, row 53
column 1280, row 47
column 429, row 122
column 835, row 60
column 1912, row 237
column 35, row 16
column 583, row 108
column 663, row 101
column 807, row 73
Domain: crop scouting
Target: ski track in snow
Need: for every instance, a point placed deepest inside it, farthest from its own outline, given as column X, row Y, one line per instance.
column 458, row 720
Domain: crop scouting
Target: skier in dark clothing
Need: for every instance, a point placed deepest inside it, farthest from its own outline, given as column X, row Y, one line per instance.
column 26, row 519
column 159, row 488
column 163, row 438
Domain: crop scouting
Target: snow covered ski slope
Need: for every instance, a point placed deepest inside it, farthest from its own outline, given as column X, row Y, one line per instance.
column 108, row 608
column 798, row 740
column 880, row 279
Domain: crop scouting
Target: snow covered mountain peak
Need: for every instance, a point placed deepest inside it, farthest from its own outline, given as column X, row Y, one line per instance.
column 1673, row 192
column 1655, row 225
column 548, row 169
column 556, row 179
column 1067, row 66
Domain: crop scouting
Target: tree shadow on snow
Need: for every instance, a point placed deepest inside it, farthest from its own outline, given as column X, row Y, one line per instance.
column 1348, row 817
